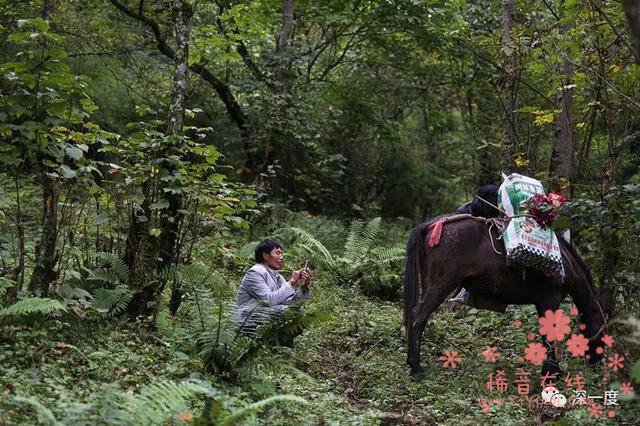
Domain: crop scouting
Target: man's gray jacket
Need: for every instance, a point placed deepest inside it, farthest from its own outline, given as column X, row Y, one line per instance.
column 263, row 293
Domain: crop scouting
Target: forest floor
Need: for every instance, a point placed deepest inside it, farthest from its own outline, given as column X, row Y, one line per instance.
column 350, row 368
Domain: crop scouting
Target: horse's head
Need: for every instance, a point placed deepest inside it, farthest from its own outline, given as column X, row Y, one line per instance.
column 605, row 300
column 488, row 193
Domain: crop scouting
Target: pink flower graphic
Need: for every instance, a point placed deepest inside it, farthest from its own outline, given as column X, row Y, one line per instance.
column 573, row 311
column 531, row 337
column 599, row 350
column 491, row 354
column 554, row 325
column 615, row 362
column 582, row 327
column 611, row 414
column 607, row 340
column 577, row 345
column 595, row 411
column 535, row 353
column 517, row 323
column 450, row 359
column 626, row 388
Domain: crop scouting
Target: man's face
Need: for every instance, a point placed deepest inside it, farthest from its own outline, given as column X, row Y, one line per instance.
column 274, row 259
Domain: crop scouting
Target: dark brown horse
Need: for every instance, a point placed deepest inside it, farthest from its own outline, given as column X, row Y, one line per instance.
column 465, row 257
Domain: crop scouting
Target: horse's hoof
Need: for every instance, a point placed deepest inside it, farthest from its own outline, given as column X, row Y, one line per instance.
column 550, row 368
column 418, row 373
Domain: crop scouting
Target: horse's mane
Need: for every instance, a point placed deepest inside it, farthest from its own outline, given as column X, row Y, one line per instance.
column 578, row 259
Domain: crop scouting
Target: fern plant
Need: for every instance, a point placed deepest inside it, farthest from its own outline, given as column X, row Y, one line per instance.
column 32, row 310
column 220, row 412
column 361, row 256
column 102, row 291
column 5, row 285
column 32, row 306
column 157, row 403
column 205, row 326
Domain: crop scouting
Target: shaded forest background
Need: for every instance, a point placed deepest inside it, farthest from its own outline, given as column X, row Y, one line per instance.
column 141, row 137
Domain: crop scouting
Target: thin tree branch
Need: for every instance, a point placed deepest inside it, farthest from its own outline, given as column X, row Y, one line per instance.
column 601, row 12
column 613, row 87
column 241, row 48
column 222, row 89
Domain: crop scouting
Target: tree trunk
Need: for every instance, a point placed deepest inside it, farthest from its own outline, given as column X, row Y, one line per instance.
column 18, row 273
column 561, row 168
column 137, row 244
column 142, row 303
column 171, row 225
column 45, row 252
column 632, row 10
column 47, row 8
column 511, row 87
column 609, row 230
column 282, row 47
column 278, row 147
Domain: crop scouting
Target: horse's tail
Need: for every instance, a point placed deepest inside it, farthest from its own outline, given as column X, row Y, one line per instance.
column 412, row 282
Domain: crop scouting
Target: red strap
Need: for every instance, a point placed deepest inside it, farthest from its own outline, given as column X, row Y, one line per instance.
column 436, row 232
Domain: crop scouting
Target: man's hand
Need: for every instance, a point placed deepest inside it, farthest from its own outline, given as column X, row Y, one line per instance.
column 300, row 278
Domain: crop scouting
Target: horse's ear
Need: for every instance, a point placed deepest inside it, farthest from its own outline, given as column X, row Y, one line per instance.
column 606, row 301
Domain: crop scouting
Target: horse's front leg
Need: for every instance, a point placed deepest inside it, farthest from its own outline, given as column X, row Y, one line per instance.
column 550, row 366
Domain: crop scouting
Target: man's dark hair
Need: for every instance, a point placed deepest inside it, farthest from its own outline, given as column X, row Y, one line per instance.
column 480, row 208
column 265, row 247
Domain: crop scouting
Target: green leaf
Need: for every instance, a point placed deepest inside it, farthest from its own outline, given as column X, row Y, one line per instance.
column 223, row 210
column 88, row 106
column 37, row 23
column 57, row 108
column 73, row 152
column 40, row 24
column 161, row 204
column 67, row 172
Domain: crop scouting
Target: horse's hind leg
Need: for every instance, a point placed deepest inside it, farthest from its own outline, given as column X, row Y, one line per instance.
column 433, row 296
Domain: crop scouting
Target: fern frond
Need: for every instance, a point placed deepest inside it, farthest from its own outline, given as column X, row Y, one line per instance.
column 312, row 245
column 355, row 229
column 104, row 275
column 247, row 251
column 32, row 305
column 164, row 323
column 170, row 274
column 5, row 284
column 116, row 265
column 360, row 239
column 45, row 415
column 111, row 301
column 384, row 255
column 240, row 413
column 157, row 402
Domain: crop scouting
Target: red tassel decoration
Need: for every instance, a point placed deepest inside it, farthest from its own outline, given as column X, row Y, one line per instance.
column 436, row 233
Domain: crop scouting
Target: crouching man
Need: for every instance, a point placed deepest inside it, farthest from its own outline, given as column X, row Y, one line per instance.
column 264, row 293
